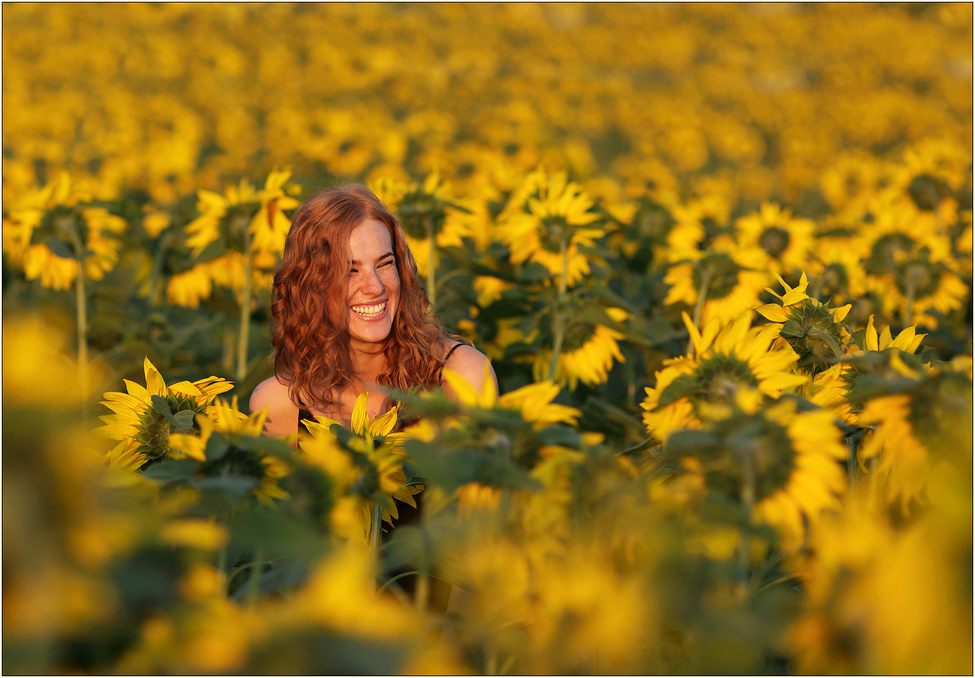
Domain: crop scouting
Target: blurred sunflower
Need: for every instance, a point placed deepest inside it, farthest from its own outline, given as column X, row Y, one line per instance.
column 232, row 425
column 785, row 466
column 720, row 283
column 910, row 266
column 547, row 219
column 696, row 226
column 237, row 234
column 588, row 360
column 725, row 358
column 146, row 416
column 837, row 267
column 49, row 230
column 365, row 465
column 812, row 329
column 785, row 239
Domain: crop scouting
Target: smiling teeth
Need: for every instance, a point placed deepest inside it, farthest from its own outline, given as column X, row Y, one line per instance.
column 370, row 311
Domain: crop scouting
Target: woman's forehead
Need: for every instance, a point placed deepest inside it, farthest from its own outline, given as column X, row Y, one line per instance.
column 370, row 239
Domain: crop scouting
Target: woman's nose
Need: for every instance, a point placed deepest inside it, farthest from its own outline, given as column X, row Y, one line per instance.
column 373, row 285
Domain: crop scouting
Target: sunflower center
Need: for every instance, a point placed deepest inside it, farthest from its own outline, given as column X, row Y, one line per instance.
column 552, row 233
column 834, row 279
column 883, row 254
column 722, row 272
column 926, row 192
column 715, row 380
column 917, row 279
column 236, row 462
column 774, row 241
column 773, row 458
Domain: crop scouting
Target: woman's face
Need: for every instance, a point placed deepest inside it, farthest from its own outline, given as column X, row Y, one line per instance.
column 373, row 286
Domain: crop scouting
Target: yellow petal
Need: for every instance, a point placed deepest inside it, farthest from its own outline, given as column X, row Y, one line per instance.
column 772, row 312
column 871, row 335
column 381, row 426
column 840, row 313
column 465, row 392
column 360, row 420
column 155, row 384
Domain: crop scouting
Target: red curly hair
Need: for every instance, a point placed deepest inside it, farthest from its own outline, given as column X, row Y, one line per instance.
column 310, row 322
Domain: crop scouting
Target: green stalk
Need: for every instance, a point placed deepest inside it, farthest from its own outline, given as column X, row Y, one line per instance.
column 375, row 539
column 702, row 295
column 81, row 312
column 254, row 583
column 852, row 466
column 559, row 318
column 748, row 500
column 911, row 291
column 432, row 266
column 245, row 309
column 820, row 334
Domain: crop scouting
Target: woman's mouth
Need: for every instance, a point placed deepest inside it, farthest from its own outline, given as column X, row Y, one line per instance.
column 370, row 310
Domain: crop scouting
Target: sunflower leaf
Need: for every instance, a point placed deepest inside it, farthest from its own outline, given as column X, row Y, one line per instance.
column 161, row 406
column 216, row 448
column 792, row 329
column 172, row 470
column 183, row 418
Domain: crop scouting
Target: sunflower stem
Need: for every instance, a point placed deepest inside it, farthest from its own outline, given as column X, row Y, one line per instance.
column 852, row 465
column 820, row 334
column 81, row 311
column 254, row 583
column 558, row 318
column 748, row 500
column 243, row 337
column 375, row 541
column 702, row 294
column 911, row 292
column 432, row 265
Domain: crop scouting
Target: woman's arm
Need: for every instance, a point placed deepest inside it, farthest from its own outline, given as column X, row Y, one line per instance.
column 469, row 363
column 282, row 414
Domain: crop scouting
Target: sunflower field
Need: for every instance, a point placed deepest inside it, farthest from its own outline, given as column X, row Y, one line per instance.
column 719, row 255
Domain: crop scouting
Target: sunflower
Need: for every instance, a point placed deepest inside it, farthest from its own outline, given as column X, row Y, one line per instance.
column 50, row 229
column 725, row 358
column 811, row 328
column 696, row 226
column 146, row 416
column 724, row 281
column 232, row 425
column 365, row 465
column 238, row 232
column 589, row 362
column 837, row 267
column 784, row 238
column 547, row 219
column 918, row 419
column 785, row 466
column 910, row 265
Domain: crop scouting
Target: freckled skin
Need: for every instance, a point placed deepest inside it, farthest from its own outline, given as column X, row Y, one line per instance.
column 374, row 279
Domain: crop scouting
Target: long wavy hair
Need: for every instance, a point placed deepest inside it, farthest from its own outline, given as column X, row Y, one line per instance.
column 309, row 304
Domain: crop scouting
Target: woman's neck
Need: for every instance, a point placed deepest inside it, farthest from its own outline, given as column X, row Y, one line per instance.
column 368, row 364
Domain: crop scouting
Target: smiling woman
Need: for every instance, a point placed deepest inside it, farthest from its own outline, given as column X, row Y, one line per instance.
column 350, row 316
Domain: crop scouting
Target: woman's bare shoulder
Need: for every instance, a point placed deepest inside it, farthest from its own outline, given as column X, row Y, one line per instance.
column 470, row 363
column 282, row 413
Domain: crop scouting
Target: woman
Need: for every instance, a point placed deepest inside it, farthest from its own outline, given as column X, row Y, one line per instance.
column 350, row 317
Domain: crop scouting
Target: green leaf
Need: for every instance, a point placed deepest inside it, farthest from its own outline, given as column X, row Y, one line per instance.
column 792, row 329
column 172, row 470
column 216, row 448
column 689, row 441
column 184, row 418
column 233, row 485
column 160, row 405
